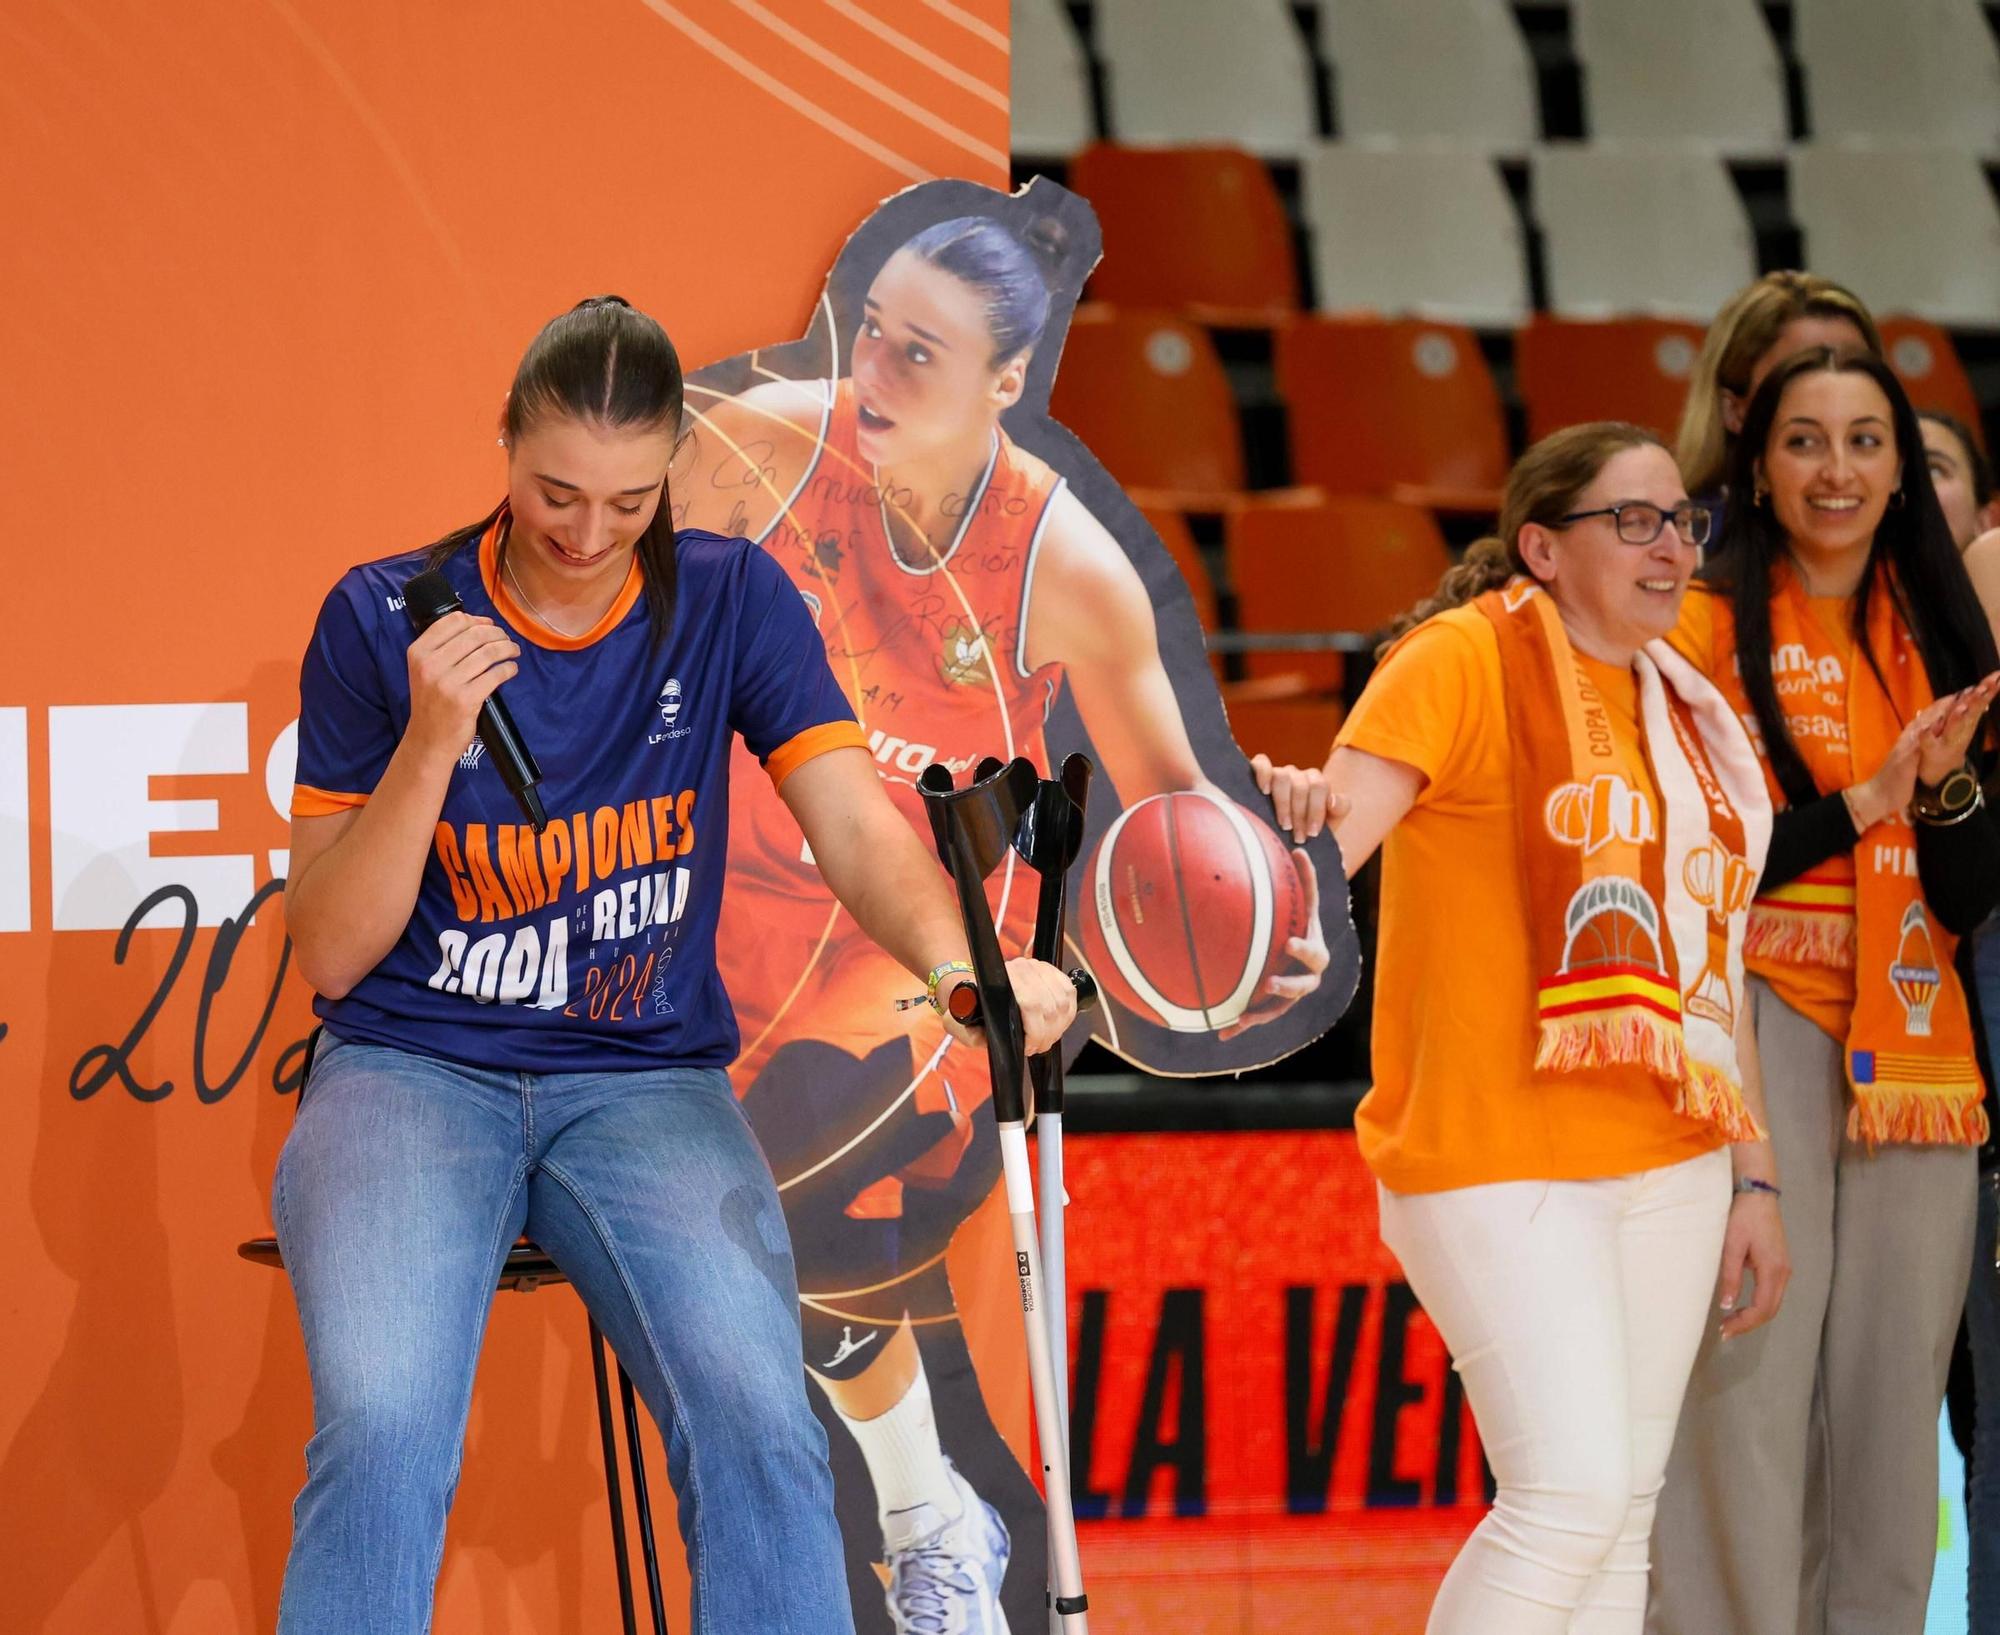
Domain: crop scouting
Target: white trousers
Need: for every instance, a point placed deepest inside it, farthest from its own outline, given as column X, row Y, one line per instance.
column 1573, row 1311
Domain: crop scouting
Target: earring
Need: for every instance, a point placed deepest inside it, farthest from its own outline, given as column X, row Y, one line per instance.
column 1761, row 497
column 501, row 441
column 1898, row 500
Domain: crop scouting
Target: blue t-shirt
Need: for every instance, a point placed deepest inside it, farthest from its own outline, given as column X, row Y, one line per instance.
column 592, row 945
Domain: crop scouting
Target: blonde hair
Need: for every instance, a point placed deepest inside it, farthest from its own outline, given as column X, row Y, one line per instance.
column 1744, row 330
column 1543, row 488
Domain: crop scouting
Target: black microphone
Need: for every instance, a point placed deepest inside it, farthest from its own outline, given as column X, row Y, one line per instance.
column 428, row 598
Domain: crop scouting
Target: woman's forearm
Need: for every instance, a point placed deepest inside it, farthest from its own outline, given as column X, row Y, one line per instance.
column 1804, row 836
column 346, row 905
column 898, row 893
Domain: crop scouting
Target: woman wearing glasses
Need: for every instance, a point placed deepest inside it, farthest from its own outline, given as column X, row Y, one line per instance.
column 1565, row 1126
column 1837, row 618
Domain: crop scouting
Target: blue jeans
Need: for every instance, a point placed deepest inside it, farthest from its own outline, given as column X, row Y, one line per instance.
column 1982, row 1324
column 403, row 1184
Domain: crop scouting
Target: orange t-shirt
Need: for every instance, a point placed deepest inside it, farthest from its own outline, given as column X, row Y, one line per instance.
column 1456, row 1099
column 1823, row 994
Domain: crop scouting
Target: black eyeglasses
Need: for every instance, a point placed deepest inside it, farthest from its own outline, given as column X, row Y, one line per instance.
column 1639, row 523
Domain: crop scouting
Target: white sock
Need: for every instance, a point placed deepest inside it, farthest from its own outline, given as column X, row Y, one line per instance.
column 904, row 1460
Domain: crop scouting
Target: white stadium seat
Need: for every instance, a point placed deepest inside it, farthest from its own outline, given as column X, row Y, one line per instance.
column 1924, row 71
column 1451, row 69
column 1207, row 71
column 1701, row 72
column 1658, row 231
column 1909, row 229
column 1049, row 85
column 1421, row 230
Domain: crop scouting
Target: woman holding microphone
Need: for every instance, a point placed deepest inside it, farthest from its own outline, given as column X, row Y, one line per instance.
column 525, row 1031
column 1568, row 1144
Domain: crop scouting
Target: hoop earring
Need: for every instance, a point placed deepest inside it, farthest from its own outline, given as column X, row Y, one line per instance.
column 1898, row 500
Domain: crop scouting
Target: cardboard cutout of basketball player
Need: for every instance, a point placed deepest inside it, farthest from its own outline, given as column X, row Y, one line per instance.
column 983, row 588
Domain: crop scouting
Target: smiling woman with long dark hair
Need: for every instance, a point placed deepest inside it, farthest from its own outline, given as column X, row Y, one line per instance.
column 1839, row 620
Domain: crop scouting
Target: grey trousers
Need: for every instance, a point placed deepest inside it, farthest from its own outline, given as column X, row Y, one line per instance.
column 1801, row 1496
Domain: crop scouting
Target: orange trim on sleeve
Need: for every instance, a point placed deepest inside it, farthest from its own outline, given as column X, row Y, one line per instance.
column 794, row 752
column 310, row 802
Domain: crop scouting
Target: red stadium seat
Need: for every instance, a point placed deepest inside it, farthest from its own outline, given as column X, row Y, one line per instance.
column 1198, row 228
column 1923, row 357
column 1179, row 540
column 1393, row 406
column 1306, row 561
column 1146, row 392
column 1295, row 731
column 1570, row 370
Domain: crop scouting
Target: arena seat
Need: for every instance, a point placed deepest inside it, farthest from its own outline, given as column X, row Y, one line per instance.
column 1921, row 71
column 1309, row 561
column 1146, row 392
column 1392, row 406
column 1916, row 228
column 1452, row 70
column 1640, row 230
column 1924, row 356
column 1199, row 228
column 1569, row 370
column 1696, row 73
column 1179, row 540
column 1414, row 230
column 1292, row 731
column 1195, row 71
column 1048, row 81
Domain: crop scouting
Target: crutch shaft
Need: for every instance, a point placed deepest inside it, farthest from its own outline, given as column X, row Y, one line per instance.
column 1065, row 1565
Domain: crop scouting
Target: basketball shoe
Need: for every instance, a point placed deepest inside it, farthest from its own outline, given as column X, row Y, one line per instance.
column 945, row 1571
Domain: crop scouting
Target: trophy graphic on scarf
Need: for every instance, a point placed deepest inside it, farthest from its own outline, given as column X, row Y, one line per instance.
column 1720, row 882
column 1915, row 976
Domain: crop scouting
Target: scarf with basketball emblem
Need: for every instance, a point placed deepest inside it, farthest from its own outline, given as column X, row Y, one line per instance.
column 1637, row 925
column 1909, row 1047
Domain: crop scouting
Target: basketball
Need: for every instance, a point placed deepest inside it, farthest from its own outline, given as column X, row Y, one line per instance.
column 1189, row 901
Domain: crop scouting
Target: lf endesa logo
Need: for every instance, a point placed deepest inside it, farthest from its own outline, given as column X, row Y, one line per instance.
column 103, row 815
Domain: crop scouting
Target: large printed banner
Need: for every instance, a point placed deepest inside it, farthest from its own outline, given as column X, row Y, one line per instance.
column 983, row 588
column 264, row 278
column 266, row 274
column 1269, row 1437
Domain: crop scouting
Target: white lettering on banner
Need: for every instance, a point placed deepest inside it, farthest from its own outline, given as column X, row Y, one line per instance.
column 280, row 773
column 14, row 895
column 102, row 816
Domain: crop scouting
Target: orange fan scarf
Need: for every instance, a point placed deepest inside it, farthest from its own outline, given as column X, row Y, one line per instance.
column 1638, row 913
column 1909, row 1048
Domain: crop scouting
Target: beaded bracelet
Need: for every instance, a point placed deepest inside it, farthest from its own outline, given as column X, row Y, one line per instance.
column 1750, row 1183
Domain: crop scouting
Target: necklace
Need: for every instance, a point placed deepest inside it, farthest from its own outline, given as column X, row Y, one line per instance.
column 528, row 601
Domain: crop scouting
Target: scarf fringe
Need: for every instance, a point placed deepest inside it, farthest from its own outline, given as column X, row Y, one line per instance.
column 1643, row 1038
column 1603, row 1038
column 1921, row 1115
column 1709, row 1094
column 1794, row 938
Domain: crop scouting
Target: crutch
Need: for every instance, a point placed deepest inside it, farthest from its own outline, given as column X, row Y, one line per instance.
column 974, row 828
column 1049, row 837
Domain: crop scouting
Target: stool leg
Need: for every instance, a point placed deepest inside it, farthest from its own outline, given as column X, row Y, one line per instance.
column 648, row 1549
column 619, row 1556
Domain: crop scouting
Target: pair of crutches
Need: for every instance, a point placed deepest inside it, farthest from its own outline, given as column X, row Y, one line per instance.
column 1010, row 807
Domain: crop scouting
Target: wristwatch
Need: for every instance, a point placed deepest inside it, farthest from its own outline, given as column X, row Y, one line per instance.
column 1953, row 800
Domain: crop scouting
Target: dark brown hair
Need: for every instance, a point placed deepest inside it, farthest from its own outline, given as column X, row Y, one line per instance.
column 1543, row 487
column 606, row 362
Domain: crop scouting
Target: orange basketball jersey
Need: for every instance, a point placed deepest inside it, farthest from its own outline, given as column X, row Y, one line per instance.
column 932, row 655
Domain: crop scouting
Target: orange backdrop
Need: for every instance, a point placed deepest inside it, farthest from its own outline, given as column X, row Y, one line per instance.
column 264, row 276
